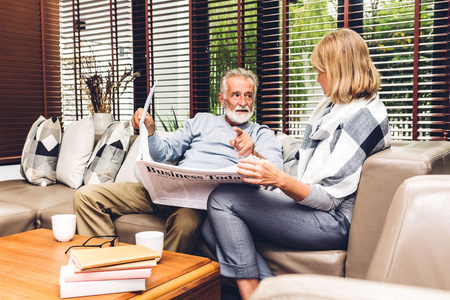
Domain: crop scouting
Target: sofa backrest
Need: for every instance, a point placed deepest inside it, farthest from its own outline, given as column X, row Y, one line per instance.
column 414, row 245
column 381, row 176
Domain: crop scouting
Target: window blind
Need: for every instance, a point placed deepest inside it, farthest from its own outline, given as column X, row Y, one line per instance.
column 187, row 45
column 160, row 30
column 224, row 37
column 170, row 65
column 408, row 42
column 29, row 68
column 96, row 38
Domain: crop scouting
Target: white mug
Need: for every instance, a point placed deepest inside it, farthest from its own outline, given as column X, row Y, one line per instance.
column 151, row 239
column 64, row 226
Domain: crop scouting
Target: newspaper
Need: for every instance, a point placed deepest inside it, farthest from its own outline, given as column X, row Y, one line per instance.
column 174, row 185
column 183, row 187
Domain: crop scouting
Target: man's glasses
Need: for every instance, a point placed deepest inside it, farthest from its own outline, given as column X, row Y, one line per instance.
column 112, row 243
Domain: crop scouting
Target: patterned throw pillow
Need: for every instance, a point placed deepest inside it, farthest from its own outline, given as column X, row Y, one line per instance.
column 40, row 152
column 108, row 154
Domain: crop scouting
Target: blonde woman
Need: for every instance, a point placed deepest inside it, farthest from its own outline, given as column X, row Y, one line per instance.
column 314, row 210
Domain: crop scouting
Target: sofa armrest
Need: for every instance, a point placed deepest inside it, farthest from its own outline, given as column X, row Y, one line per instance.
column 382, row 174
column 414, row 246
column 297, row 287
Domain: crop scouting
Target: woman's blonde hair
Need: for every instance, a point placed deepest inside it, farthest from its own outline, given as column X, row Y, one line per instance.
column 351, row 74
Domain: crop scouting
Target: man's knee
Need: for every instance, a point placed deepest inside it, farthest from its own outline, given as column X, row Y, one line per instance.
column 78, row 198
column 83, row 196
column 186, row 220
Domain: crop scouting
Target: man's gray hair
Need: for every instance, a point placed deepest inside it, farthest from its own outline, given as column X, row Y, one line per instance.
column 239, row 72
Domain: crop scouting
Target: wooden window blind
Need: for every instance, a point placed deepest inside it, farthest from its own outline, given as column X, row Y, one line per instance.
column 96, row 37
column 408, row 42
column 187, row 44
column 29, row 68
column 161, row 48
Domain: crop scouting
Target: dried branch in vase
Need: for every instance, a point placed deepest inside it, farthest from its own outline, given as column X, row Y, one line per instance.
column 101, row 92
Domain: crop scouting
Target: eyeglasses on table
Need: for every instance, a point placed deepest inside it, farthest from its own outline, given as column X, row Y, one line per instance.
column 112, row 243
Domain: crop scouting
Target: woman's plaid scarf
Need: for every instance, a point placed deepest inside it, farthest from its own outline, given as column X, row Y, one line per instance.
column 338, row 138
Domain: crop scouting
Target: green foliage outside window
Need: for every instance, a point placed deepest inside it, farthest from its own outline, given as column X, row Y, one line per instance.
column 223, row 43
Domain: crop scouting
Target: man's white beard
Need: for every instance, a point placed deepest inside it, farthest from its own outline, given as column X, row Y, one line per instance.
column 238, row 118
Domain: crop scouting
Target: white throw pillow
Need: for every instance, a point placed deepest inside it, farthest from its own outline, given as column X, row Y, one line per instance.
column 40, row 152
column 76, row 148
column 108, row 154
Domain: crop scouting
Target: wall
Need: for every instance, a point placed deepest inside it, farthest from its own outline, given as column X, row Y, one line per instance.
column 10, row 172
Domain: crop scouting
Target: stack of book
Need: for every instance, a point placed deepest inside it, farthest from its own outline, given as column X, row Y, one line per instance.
column 106, row 270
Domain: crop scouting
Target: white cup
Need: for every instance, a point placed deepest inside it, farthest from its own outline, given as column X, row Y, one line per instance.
column 64, row 226
column 151, row 239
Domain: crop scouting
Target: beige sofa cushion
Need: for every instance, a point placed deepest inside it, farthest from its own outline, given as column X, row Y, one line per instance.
column 60, row 208
column 128, row 225
column 282, row 260
column 15, row 218
column 36, row 198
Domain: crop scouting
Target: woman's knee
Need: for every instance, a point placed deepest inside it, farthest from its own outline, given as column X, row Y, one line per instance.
column 227, row 195
column 221, row 196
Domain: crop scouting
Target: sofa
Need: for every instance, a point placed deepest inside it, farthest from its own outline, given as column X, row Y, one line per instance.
column 382, row 174
column 410, row 261
column 24, row 206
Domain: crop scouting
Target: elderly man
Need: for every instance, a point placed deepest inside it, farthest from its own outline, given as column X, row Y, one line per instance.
column 206, row 141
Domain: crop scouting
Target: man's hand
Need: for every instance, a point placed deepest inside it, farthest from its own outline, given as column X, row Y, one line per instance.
column 148, row 121
column 243, row 143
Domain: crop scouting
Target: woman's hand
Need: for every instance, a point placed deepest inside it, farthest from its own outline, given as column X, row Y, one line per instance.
column 259, row 171
column 148, row 121
column 263, row 172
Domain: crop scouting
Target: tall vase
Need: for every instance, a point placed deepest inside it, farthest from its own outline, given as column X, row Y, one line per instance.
column 101, row 122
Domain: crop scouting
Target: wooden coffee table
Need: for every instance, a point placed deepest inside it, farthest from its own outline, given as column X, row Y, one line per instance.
column 30, row 264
